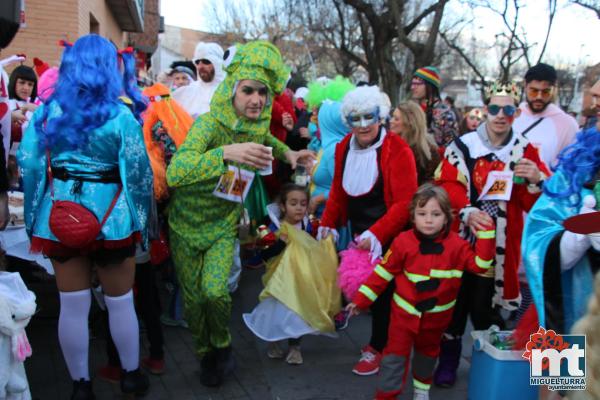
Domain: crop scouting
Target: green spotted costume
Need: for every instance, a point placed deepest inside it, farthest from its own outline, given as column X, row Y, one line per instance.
column 203, row 227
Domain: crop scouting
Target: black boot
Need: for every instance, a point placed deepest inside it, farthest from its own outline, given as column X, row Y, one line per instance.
column 225, row 361
column 134, row 382
column 82, row 390
column 209, row 376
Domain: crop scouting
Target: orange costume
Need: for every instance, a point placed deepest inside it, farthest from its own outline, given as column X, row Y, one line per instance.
column 176, row 123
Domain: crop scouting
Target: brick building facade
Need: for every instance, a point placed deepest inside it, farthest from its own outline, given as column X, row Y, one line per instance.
column 47, row 22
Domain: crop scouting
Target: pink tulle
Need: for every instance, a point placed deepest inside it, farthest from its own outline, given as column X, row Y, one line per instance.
column 355, row 267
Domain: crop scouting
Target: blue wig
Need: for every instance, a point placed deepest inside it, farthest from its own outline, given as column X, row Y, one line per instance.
column 130, row 85
column 578, row 162
column 87, row 92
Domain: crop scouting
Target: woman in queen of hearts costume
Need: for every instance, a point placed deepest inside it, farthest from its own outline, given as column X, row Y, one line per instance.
column 374, row 180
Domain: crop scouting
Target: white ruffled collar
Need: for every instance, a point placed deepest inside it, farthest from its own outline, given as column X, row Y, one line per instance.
column 354, row 147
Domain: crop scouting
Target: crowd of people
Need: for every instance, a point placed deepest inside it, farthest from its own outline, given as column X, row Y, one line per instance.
column 454, row 215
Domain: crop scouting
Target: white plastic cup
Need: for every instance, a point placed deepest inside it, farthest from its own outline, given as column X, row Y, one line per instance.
column 267, row 170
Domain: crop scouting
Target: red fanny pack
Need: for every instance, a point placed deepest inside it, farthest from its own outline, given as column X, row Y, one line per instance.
column 74, row 225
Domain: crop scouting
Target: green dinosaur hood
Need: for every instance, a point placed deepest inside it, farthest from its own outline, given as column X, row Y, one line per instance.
column 260, row 61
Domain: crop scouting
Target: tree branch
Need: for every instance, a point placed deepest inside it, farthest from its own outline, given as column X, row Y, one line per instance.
column 552, row 8
column 586, row 4
column 464, row 56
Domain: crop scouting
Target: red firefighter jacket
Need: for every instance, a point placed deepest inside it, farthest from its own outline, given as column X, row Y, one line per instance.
column 427, row 272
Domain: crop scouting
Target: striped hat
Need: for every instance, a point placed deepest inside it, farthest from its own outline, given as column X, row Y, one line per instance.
column 429, row 74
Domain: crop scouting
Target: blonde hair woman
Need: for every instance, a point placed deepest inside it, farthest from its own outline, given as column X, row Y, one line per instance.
column 409, row 121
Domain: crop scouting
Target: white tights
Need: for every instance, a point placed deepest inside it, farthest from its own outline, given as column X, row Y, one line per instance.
column 73, row 333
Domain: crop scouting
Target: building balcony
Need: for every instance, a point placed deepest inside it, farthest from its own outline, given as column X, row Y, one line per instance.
column 128, row 13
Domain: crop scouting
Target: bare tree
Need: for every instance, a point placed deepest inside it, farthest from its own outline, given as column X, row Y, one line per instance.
column 511, row 41
column 272, row 20
column 593, row 5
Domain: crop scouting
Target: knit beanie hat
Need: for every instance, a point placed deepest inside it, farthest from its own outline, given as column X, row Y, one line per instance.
column 430, row 74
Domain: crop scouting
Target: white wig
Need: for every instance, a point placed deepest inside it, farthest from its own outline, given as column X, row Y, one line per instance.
column 365, row 99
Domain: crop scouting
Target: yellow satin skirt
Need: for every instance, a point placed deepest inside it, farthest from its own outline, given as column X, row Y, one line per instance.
column 304, row 278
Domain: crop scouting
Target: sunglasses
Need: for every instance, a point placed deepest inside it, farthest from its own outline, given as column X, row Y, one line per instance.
column 417, row 83
column 473, row 118
column 535, row 92
column 202, row 61
column 509, row 111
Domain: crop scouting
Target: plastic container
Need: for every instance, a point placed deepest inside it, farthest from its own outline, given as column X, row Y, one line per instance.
column 498, row 374
column 301, row 177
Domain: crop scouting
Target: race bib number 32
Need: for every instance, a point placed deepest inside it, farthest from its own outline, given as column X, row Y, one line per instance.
column 498, row 186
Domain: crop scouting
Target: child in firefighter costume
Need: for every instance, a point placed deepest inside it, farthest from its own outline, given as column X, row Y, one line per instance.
column 426, row 263
column 202, row 226
column 492, row 175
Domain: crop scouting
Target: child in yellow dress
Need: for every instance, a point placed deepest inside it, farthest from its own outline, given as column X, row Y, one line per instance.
column 300, row 295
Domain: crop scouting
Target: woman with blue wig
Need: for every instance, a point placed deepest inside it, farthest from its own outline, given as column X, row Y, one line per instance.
column 560, row 264
column 85, row 146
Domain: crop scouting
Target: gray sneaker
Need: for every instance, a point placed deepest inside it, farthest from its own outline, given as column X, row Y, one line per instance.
column 168, row 321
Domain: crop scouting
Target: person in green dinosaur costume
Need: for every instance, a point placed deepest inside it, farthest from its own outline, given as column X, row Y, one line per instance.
column 203, row 227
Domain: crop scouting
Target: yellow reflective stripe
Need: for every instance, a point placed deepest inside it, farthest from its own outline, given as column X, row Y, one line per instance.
column 416, row 277
column 446, row 273
column 483, row 264
column 406, row 306
column 383, row 273
column 443, row 307
column 420, row 385
column 486, row 234
column 371, row 295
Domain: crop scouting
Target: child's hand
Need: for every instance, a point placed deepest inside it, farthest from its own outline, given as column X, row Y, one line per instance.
column 287, row 121
column 283, row 237
column 352, row 309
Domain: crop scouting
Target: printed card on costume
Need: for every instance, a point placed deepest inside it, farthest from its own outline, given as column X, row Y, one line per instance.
column 234, row 184
column 498, row 186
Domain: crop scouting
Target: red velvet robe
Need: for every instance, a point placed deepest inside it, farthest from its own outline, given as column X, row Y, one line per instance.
column 399, row 185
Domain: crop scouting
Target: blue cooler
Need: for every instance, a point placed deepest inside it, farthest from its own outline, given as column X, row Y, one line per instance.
column 498, row 374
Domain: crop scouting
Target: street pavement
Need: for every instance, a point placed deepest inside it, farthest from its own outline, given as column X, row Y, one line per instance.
column 325, row 375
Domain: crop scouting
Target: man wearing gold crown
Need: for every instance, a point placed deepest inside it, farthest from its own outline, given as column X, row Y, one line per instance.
column 491, row 175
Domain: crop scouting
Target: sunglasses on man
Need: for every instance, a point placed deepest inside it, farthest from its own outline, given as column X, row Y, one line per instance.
column 535, row 92
column 202, row 61
column 509, row 111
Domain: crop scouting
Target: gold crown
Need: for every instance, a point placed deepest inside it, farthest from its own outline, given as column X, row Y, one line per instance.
column 503, row 89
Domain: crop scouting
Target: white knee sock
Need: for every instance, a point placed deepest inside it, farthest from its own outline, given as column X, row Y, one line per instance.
column 124, row 329
column 73, row 333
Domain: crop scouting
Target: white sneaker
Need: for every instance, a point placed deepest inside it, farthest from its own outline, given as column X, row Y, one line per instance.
column 420, row 394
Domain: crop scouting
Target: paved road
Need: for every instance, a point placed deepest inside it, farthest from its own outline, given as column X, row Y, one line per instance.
column 325, row 374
